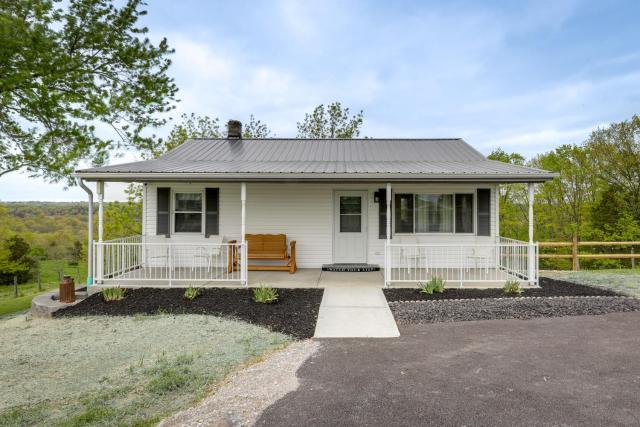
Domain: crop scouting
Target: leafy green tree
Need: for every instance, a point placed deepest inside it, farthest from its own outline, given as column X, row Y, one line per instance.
column 566, row 200
column 616, row 157
column 255, row 129
column 333, row 121
column 15, row 260
column 68, row 67
column 513, row 199
column 75, row 252
column 194, row 126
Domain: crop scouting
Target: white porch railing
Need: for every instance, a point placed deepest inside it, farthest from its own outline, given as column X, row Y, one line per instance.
column 133, row 260
column 470, row 263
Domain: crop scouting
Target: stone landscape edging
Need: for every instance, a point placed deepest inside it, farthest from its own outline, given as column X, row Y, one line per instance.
column 513, row 298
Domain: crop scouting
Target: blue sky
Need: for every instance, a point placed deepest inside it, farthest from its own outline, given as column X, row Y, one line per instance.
column 524, row 76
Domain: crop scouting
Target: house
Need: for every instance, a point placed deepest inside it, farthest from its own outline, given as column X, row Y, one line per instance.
column 414, row 208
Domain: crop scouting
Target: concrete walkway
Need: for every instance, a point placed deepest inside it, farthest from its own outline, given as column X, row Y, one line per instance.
column 352, row 311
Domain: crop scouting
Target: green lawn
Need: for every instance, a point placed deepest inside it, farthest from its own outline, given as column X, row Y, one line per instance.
column 104, row 371
column 49, row 280
column 622, row 280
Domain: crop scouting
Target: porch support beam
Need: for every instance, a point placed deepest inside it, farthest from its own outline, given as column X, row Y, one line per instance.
column 100, row 261
column 387, row 251
column 532, row 255
column 243, row 249
column 90, row 237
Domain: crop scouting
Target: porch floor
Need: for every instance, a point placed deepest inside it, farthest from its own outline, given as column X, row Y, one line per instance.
column 315, row 278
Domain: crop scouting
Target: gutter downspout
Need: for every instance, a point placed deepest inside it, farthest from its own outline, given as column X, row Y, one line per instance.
column 90, row 225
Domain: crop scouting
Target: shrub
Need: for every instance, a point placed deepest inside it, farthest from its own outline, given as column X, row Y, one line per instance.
column 436, row 284
column 512, row 287
column 113, row 294
column 192, row 293
column 265, row 294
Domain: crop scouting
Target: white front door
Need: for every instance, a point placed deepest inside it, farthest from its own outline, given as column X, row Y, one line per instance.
column 350, row 227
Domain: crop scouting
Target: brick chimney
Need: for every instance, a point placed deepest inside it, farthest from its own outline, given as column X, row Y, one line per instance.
column 234, row 129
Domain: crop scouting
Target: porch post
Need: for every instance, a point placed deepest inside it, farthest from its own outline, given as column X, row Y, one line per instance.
column 531, row 256
column 90, row 236
column 387, row 251
column 244, row 253
column 100, row 260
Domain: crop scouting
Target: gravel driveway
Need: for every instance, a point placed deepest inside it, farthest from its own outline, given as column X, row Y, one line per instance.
column 580, row 370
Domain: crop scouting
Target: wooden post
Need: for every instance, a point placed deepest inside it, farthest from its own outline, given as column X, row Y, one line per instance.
column 633, row 260
column 15, row 286
column 575, row 264
column 39, row 281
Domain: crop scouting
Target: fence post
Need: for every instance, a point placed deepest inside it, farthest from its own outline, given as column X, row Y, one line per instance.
column 575, row 264
column 633, row 260
column 15, row 286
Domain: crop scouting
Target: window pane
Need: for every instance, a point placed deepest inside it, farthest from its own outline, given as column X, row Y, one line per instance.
column 350, row 223
column 404, row 213
column 188, row 202
column 434, row 213
column 464, row 213
column 350, row 204
column 188, row 222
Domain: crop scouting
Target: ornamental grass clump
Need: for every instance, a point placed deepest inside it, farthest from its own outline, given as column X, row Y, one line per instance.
column 113, row 294
column 512, row 287
column 436, row 284
column 192, row 293
column 265, row 295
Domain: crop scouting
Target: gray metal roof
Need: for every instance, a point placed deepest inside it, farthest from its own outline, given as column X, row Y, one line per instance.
column 301, row 159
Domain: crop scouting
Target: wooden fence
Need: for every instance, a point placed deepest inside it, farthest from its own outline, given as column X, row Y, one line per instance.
column 575, row 255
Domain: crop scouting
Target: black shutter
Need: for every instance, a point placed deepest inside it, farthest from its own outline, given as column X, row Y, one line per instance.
column 211, row 219
column 484, row 212
column 162, row 211
column 382, row 213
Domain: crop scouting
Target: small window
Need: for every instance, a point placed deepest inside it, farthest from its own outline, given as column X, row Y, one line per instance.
column 464, row 213
column 188, row 212
column 404, row 213
column 350, row 214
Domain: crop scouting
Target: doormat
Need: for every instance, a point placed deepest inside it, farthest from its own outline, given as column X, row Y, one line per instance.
column 350, row 268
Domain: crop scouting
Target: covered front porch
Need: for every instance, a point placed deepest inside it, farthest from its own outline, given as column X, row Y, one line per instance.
column 222, row 259
column 130, row 262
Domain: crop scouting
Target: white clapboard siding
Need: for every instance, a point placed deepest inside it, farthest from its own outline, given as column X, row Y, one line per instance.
column 305, row 213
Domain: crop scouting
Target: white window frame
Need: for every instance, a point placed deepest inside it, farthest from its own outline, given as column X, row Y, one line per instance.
column 174, row 193
column 438, row 233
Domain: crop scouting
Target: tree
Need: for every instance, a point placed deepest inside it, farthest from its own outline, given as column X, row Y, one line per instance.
column 255, row 129
column 616, row 155
column 191, row 126
column 66, row 68
column 15, row 260
column 514, row 209
column 194, row 126
column 333, row 121
column 75, row 252
column 567, row 198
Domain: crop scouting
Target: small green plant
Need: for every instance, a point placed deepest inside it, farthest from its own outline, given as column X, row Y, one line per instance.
column 512, row 287
column 113, row 294
column 265, row 294
column 192, row 293
column 436, row 284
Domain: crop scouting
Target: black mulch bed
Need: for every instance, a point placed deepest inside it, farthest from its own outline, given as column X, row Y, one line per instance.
column 295, row 313
column 489, row 309
column 548, row 288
